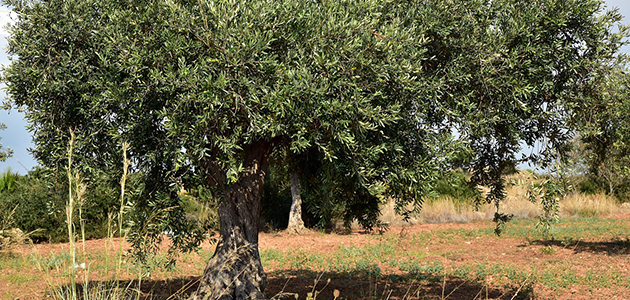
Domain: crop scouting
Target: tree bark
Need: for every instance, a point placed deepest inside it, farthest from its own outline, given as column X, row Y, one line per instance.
column 296, row 224
column 235, row 271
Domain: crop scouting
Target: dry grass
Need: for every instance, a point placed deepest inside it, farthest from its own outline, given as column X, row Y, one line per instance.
column 588, row 205
column 12, row 237
column 389, row 216
column 448, row 210
column 517, row 202
column 440, row 210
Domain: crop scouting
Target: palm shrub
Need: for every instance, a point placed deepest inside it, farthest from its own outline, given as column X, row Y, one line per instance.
column 7, row 180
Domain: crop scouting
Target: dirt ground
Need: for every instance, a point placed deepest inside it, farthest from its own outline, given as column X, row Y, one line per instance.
column 584, row 257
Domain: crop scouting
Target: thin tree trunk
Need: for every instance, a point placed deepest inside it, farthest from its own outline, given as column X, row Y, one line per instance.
column 296, row 225
column 235, row 271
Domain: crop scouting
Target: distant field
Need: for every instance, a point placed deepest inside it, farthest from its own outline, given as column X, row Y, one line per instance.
column 587, row 258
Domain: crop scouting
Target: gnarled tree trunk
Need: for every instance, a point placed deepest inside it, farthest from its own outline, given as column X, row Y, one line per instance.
column 296, row 224
column 235, row 270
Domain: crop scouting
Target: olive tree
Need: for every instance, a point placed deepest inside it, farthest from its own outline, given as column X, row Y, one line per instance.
column 604, row 132
column 521, row 73
column 205, row 92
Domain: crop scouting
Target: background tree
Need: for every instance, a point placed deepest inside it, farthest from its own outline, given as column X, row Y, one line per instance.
column 296, row 224
column 519, row 72
column 328, row 192
column 604, row 132
column 290, row 170
column 206, row 91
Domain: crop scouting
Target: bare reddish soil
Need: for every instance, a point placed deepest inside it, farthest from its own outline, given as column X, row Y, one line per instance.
column 583, row 257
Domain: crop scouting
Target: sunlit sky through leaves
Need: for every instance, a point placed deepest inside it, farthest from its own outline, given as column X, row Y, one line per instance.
column 18, row 138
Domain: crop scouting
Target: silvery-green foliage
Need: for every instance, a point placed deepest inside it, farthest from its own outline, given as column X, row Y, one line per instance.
column 374, row 87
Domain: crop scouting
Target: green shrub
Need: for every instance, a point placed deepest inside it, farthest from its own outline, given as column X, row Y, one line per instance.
column 38, row 207
column 589, row 186
column 455, row 185
column 39, row 200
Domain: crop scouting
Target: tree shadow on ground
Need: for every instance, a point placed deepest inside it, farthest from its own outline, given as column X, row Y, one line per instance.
column 612, row 247
column 288, row 284
column 291, row 284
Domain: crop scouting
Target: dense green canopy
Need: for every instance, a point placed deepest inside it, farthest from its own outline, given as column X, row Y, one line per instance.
column 206, row 91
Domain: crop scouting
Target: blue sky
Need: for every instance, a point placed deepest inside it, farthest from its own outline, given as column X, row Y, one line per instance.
column 18, row 138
